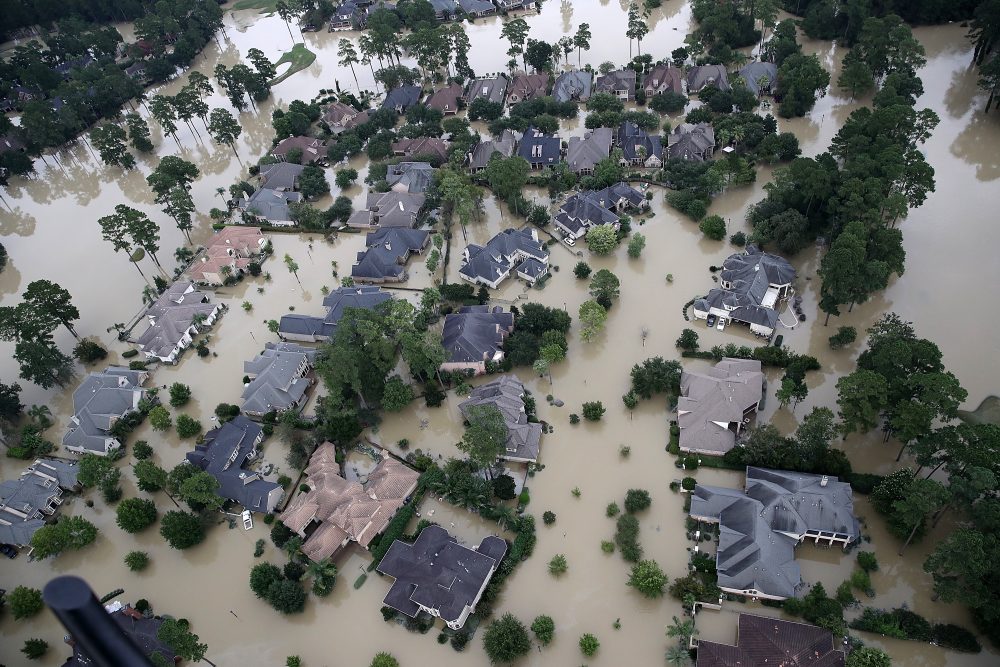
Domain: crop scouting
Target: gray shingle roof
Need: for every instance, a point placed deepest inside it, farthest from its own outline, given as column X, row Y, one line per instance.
column 412, row 177
column 574, row 85
column 280, row 175
column 140, row 629
column 752, row 73
column 539, row 149
column 707, row 75
column 475, row 333
column 584, row 153
column 722, row 394
column 226, row 450
column 501, row 254
column 336, row 302
column 438, row 573
column 632, row 139
column 760, row 527
column 403, row 98
column 476, row 7
column 171, row 316
column 388, row 209
column 613, row 82
column 744, row 281
column 484, row 150
column 507, row 395
column 387, row 251
column 662, row 78
column 270, row 204
column 26, row 500
column 691, row 142
column 101, row 399
column 492, row 88
column 278, row 378
column 446, row 99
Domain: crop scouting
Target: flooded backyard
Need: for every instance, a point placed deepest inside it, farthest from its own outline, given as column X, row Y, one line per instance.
column 51, row 232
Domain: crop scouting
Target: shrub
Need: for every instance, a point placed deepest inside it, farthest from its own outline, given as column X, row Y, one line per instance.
column 739, row 239
column 648, row 578
column 607, row 546
column 135, row 514
column 258, row 548
column 589, row 644
column 181, row 530
column 293, row 661
column 688, row 483
column 187, row 427
column 714, row 227
column 955, row 637
column 506, row 639
column 690, row 462
column 24, row 602
column 142, row 450
column 544, row 628
column 136, row 561
column 384, row 659
column 582, row 270
column 558, row 565
column 548, row 518
column 637, row 500
column 844, row 336
column 280, row 534
column 593, row 411
column 294, row 570
column 524, row 498
column 159, row 418
column 88, row 352
column 180, row 394
column 504, row 487
column 627, row 538
column 262, row 576
column 35, row 648
column 574, row 418
column 611, row 510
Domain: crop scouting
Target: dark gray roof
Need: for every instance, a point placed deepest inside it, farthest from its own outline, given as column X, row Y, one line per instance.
column 438, row 573
column 539, row 148
column 415, row 177
column 442, row 6
column 691, row 142
column 278, row 377
column 140, row 629
column 403, row 97
column 622, row 79
column 631, row 138
column 484, row 150
column 102, row 398
column 744, row 280
column 594, row 207
column 476, row 6
column 492, row 88
column 752, row 72
column 707, row 75
column 713, row 400
column 387, row 252
column 446, row 99
column 26, row 500
column 507, row 395
column 762, row 641
column 760, row 527
column 574, row 85
column 336, row 302
column 223, row 454
column 475, row 333
column 280, row 175
column 501, row 253
column 584, row 153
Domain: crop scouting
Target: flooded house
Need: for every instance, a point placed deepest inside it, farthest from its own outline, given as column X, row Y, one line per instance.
column 279, row 379
column 99, row 402
column 446, row 100
column 281, row 176
column 432, row 147
column 174, row 319
column 411, row 177
column 388, row 209
column 477, row 8
column 759, row 77
column 473, row 336
column 479, row 158
column 538, row 149
column 312, row 329
column 340, row 117
column 439, row 576
column 700, row 77
column 349, row 15
column 517, row 250
column 402, row 98
column 760, row 527
column 573, row 85
column 142, row 630
column 229, row 252
column 591, row 208
column 639, row 149
column 716, row 405
column 763, row 640
column 506, row 394
column 267, row 206
column 335, row 511
column 308, row 150
column 386, row 254
column 663, row 78
column 620, row 84
column 752, row 286
column 583, row 153
column 692, row 142
column 27, row 501
column 226, row 454
column 527, row 87
column 491, row 88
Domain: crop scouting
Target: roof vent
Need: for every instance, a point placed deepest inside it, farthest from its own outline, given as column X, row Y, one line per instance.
column 824, row 480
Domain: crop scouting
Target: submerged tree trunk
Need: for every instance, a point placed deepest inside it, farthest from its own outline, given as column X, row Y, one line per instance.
column 910, row 538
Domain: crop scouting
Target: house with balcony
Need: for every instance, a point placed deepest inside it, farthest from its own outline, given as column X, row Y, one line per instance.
column 229, row 252
column 590, row 208
column 716, row 405
column 439, row 576
column 174, row 319
column 335, row 512
column 753, row 285
column 511, row 251
column 760, row 526
column 99, row 402
column 639, row 149
column 473, row 336
column 388, row 209
column 620, row 84
column 26, row 502
column 279, row 379
column 227, row 454
column 506, row 394
column 386, row 254
column 349, row 15
column 311, row 329
column 663, row 78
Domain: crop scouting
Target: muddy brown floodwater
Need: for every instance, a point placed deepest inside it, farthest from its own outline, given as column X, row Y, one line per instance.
column 51, row 232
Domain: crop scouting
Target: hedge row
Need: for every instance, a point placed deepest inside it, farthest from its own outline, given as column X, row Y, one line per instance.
column 905, row 624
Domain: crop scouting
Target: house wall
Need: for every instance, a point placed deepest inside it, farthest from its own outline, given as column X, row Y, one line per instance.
column 479, row 368
column 750, row 592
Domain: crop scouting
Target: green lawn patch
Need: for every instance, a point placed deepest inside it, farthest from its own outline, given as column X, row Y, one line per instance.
column 265, row 6
column 299, row 58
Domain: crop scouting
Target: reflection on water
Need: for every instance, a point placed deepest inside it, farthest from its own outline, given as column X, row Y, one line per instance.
column 52, row 233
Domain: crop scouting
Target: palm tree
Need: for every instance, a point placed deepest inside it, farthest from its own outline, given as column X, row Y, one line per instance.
column 682, row 631
column 323, row 569
column 678, row 656
column 41, row 416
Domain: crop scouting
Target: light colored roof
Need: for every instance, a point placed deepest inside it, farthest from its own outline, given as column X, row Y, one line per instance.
column 573, row 85
column 622, row 79
column 412, row 177
column 346, row 510
column 492, row 88
column 278, row 382
column 708, row 75
column 752, row 73
column 713, row 400
column 501, row 252
column 584, row 153
column 100, row 400
column 280, row 175
column 231, row 246
column 507, row 395
column 171, row 316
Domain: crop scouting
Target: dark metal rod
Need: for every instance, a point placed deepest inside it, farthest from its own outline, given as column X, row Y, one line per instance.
column 100, row 638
